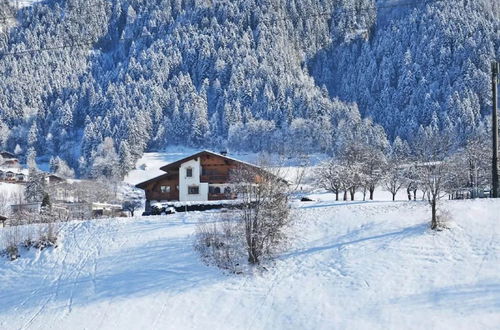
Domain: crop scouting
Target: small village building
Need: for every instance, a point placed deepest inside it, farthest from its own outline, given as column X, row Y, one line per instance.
column 26, row 207
column 7, row 155
column 13, row 175
column 54, row 179
column 11, row 163
column 8, row 160
column 71, row 211
column 10, row 176
column 106, row 210
column 204, row 176
column 20, row 177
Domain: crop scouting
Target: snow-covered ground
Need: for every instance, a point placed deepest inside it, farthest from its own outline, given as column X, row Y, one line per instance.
column 10, row 193
column 11, row 188
column 355, row 265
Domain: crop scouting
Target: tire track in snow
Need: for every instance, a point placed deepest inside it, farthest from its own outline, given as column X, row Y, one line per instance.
column 57, row 281
column 74, row 273
column 54, row 287
column 91, row 254
column 45, row 279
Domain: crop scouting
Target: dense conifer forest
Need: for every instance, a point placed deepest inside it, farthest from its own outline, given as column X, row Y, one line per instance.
column 84, row 80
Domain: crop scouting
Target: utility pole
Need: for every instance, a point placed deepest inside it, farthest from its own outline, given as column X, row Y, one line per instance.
column 494, row 128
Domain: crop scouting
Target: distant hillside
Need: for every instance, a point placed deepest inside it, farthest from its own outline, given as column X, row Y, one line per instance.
column 428, row 66
column 280, row 76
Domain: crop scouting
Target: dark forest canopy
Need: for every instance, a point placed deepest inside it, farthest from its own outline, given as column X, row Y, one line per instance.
column 279, row 76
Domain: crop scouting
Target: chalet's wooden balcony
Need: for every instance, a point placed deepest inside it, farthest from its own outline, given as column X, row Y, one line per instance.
column 214, row 178
column 156, row 195
column 219, row 197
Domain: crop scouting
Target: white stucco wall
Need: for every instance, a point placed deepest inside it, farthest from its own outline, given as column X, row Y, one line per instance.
column 185, row 182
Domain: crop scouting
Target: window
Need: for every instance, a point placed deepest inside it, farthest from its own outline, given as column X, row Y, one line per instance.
column 214, row 190
column 189, row 172
column 165, row 189
column 193, row 190
column 227, row 190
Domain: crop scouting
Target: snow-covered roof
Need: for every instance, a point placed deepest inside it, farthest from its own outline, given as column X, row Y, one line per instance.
column 14, row 170
column 196, row 155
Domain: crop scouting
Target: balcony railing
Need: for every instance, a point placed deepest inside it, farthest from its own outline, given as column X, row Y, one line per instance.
column 155, row 195
column 218, row 197
column 214, row 178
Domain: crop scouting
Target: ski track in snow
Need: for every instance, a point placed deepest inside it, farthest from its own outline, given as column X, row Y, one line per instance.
column 372, row 265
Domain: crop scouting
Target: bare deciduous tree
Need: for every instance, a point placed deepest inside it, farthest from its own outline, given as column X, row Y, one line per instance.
column 131, row 205
column 394, row 180
column 433, row 149
column 329, row 176
column 264, row 210
column 256, row 228
column 372, row 167
column 433, row 176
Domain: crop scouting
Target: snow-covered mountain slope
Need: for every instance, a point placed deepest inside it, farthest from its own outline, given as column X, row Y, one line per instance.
column 263, row 75
column 351, row 265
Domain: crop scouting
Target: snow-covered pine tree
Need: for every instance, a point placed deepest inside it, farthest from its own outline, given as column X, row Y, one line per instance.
column 35, row 186
column 105, row 161
column 126, row 162
column 31, row 157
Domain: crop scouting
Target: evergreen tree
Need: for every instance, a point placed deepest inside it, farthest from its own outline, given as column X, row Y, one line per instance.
column 126, row 162
column 35, row 186
column 31, row 158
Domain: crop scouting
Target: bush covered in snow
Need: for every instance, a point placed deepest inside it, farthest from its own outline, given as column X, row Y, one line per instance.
column 13, row 240
column 221, row 244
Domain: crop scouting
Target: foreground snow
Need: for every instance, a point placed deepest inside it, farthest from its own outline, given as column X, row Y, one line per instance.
column 372, row 265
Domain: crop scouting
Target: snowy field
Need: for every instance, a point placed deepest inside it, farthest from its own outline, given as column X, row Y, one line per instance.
column 356, row 265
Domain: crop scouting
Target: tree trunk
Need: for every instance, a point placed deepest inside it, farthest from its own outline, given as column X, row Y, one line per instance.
column 434, row 217
column 372, row 190
column 252, row 259
column 337, row 195
column 345, row 195
column 393, row 197
column 408, row 191
column 415, row 194
column 352, row 191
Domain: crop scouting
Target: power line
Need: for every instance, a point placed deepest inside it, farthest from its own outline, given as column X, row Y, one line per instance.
column 78, row 44
column 87, row 42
